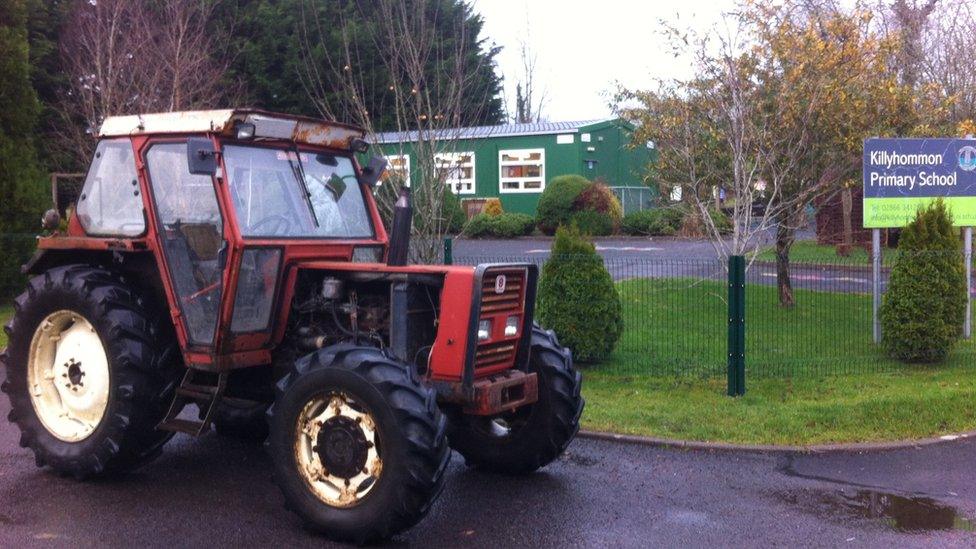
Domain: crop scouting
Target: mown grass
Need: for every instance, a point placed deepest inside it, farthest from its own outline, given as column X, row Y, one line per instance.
column 813, row 374
column 5, row 312
column 851, row 408
column 808, row 251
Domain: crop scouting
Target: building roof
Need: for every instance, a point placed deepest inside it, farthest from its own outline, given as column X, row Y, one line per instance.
column 223, row 121
column 502, row 130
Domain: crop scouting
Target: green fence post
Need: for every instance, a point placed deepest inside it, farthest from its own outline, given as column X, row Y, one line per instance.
column 737, row 326
column 448, row 250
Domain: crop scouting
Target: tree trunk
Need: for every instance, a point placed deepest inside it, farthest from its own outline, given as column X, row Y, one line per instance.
column 847, row 206
column 785, row 235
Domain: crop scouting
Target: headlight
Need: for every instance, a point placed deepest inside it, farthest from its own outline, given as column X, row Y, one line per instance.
column 367, row 254
column 484, row 330
column 511, row 325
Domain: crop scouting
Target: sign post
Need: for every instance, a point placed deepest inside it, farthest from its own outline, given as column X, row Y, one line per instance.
column 967, row 326
column 902, row 175
column 876, row 283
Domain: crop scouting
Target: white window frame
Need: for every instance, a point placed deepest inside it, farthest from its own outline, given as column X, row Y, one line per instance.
column 405, row 169
column 450, row 160
column 502, row 164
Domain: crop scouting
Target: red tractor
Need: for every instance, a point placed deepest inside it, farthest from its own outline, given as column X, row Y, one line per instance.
column 236, row 260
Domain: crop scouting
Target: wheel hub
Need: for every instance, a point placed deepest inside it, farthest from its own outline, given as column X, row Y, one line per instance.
column 337, row 449
column 74, row 375
column 342, row 447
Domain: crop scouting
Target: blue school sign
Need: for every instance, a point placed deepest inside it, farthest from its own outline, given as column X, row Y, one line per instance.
column 901, row 175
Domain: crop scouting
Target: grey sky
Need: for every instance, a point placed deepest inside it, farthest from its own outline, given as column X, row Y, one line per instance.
column 583, row 47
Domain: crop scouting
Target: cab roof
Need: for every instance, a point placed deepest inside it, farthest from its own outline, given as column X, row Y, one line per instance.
column 300, row 129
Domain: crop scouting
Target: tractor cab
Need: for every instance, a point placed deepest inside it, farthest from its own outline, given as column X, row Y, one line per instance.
column 227, row 199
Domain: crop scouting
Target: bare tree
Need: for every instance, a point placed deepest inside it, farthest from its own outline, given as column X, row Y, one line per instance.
column 530, row 97
column 947, row 44
column 911, row 17
column 431, row 82
column 127, row 57
column 709, row 129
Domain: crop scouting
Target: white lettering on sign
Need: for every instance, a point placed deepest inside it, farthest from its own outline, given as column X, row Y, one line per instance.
column 889, row 159
column 924, row 179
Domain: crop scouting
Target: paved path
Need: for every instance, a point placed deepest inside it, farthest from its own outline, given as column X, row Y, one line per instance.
column 218, row 492
column 664, row 258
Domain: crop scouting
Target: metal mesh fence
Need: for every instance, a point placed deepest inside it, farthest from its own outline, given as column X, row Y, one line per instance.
column 675, row 313
column 676, row 318
column 634, row 199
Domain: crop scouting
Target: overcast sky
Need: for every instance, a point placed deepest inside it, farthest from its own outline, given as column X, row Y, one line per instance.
column 584, row 47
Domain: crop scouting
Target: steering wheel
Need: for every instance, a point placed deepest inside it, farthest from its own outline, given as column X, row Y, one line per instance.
column 273, row 225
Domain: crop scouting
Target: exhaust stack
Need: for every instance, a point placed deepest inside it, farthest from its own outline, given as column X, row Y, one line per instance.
column 400, row 239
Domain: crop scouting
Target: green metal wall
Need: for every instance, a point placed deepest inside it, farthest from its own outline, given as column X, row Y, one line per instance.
column 618, row 165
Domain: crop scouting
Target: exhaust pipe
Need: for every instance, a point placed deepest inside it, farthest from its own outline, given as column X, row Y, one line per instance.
column 400, row 239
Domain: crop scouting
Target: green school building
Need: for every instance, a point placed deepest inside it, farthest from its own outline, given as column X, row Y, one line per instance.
column 513, row 162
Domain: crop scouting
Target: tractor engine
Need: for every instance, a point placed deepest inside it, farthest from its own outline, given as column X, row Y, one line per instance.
column 359, row 308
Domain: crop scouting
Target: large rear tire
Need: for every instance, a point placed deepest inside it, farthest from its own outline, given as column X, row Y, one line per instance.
column 359, row 445
column 248, row 424
column 89, row 373
column 531, row 437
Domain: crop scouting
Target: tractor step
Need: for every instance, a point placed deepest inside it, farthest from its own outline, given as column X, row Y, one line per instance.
column 207, row 393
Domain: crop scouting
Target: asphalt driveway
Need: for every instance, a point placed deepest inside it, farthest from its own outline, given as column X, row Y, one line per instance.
column 665, row 257
column 218, row 492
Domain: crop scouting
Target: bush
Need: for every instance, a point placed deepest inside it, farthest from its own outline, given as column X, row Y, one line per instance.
column 493, row 206
column 592, row 223
column 599, row 198
column 578, row 299
column 721, row 221
column 556, row 202
column 693, row 226
column 505, row 225
column 453, row 212
column 656, row 222
column 924, row 308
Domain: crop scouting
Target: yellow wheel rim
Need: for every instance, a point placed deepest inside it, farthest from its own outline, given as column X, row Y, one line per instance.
column 68, row 376
column 337, row 449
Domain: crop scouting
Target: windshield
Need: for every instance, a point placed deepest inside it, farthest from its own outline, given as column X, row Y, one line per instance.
column 283, row 193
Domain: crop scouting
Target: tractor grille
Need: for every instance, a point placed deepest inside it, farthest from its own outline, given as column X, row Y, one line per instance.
column 499, row 352
column 509, row 301
column 492, row 354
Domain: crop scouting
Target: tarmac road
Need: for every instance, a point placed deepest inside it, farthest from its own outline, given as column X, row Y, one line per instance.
column 665, row 257
column 217, row 492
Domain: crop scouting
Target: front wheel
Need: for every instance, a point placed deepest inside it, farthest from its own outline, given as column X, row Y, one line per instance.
column 532, row 436
column 359, row 446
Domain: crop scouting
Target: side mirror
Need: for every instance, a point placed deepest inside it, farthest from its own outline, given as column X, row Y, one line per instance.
column 373, row 171
column 200, row 156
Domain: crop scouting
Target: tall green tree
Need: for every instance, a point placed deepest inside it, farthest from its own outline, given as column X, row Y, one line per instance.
column 21, row 186
column 288, row 50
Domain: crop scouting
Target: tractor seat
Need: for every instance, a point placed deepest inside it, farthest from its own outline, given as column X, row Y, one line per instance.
column 203, row 239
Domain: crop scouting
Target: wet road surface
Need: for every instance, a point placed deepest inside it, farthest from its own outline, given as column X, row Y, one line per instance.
column 218, row 492
column 666, row 257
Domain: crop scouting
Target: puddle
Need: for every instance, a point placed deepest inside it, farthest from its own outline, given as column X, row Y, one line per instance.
column 900, row 513
column 577, row 459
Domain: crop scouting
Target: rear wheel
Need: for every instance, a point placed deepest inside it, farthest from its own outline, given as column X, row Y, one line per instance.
column 532, row 436
column 358, row 444
column 250, row 424
column 89, row 374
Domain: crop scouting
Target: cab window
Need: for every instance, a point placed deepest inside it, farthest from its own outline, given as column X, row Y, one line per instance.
column 110, row 203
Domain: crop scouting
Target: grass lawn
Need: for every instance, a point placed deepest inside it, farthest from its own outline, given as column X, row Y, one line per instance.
column 808, row 251
column 5, row 312
column 813, row 375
